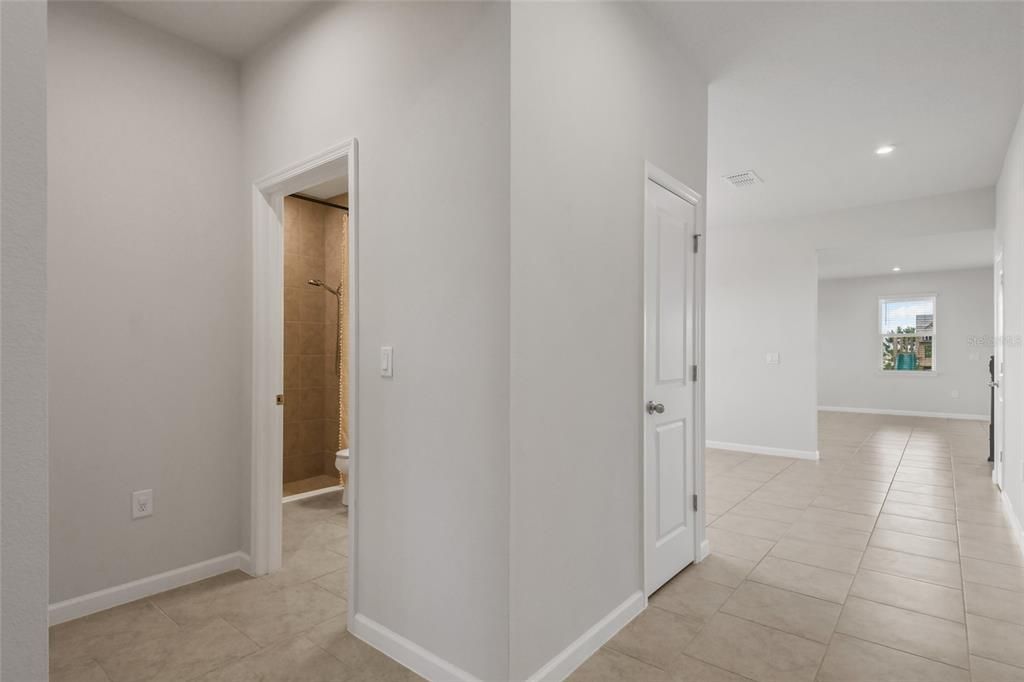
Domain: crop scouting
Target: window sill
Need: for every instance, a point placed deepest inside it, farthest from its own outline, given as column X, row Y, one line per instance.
column 907, row 372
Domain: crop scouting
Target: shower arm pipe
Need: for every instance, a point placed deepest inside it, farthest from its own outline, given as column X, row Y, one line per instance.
column 318, row 201
column 323, row 285
column 337, row 295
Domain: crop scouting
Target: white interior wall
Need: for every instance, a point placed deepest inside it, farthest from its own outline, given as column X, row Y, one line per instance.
column 23, row 465
column 597, row 89
column 763, row 298
column 1010, row 241
column 849, row 346
column 424, row 87
column 148, row 282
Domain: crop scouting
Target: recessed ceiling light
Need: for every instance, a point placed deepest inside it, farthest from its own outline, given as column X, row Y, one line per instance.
column 897, row 269
column 885, row 149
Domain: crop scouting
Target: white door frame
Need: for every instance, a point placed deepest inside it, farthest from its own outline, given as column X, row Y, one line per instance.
column 999, row 353
column 268, row 351
column 654, row 174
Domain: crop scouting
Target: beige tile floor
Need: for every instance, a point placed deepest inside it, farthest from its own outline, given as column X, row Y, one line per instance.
column 286, row 627
column 887, row 560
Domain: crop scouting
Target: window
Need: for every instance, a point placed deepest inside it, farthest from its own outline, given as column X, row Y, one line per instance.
column 907, row 331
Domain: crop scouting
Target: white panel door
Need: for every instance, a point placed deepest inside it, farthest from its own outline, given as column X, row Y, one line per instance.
column 669, row 444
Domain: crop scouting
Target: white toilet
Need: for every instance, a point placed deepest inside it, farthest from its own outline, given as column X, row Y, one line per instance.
column 341, row 464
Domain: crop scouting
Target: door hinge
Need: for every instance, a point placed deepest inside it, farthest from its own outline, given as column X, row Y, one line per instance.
column 696, row 243
column 694, row 503
column 693, row 372
column 279, row 399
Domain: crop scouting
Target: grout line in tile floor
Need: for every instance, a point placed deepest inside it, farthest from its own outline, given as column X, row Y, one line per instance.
column 925, row 468
column 302, row 632
column 960, row 564
column 789, row 609
column 732, row 589
column 888, row 488
column 903, row 450
column 963, row 579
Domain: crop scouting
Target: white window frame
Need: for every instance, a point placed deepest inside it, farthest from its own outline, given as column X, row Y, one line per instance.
column 881, row 336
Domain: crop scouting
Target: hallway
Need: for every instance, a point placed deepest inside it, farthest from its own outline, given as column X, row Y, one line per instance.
column 232, row 628
column 854, row 567
column 857, row 567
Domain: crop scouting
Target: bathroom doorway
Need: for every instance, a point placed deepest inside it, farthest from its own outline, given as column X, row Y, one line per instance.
column 314, row 469
column 315, row 447
column 305, row 344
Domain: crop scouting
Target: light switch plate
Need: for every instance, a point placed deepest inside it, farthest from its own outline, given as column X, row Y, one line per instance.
column 771, row 358
column 387, row 361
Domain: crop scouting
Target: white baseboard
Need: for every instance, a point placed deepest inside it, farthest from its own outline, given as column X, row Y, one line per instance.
column 1008, row 512
column 76, row 607
column 905, row 413
column 705, row 550
column 408, row 653
column 762, row 450
column 573, row 656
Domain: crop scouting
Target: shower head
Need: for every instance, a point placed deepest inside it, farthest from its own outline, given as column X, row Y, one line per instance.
column 322, row 284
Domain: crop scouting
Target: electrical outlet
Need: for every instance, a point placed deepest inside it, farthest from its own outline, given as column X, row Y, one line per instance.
column 142, row 503
column 955, row 393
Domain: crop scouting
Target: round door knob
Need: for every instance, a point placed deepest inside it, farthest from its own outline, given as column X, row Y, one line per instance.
column 653, row 407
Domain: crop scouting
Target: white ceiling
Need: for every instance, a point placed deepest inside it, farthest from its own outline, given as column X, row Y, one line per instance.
column 951, row 251
column 804, row 92
column 328, row 189
column 801, row 92
column 231, row 28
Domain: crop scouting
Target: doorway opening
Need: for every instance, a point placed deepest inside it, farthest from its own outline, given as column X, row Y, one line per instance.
column 305, row 331
column 315, row 452
column 904, row 327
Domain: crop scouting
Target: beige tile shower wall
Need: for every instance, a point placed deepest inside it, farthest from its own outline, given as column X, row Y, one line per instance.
column 336, row 270
column 305, row 414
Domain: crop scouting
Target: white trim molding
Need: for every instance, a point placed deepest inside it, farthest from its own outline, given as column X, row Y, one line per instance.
column 76, row 607
column 573, row 656
column 905, row 413
column 268, row 350
column 762, row 450
column 1008, row 512
column 408, row 653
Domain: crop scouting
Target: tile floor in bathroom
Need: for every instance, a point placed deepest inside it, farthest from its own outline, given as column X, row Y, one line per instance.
column 888, row 560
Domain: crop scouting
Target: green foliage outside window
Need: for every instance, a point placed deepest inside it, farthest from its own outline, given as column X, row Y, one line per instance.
column 917, row 346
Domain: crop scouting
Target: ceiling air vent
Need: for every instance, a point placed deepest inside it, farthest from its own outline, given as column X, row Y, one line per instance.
column 747, row 178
